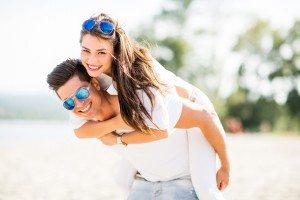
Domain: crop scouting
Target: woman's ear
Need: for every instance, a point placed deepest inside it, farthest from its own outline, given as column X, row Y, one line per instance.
column 96, row 83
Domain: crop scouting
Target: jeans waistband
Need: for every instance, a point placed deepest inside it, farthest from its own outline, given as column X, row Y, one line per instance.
column 140, row 177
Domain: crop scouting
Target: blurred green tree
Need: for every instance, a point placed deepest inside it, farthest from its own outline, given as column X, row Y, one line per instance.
column 171, row 49
column 269, row 75
column 171, row 39
column 270, row 59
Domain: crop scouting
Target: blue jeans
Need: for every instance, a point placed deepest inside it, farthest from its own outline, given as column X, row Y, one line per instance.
column 178, row 189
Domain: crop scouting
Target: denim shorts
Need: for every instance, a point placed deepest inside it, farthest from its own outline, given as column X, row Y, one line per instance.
column 177, row 189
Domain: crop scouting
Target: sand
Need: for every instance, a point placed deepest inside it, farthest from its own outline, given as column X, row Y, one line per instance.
column 264, row 167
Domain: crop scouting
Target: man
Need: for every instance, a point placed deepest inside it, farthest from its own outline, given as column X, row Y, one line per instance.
column 166, row 163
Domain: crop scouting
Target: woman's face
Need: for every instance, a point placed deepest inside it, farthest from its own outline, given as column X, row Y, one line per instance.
column 96, row 55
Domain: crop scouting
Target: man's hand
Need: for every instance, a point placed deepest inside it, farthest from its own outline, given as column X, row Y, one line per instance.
column 109, row 139
column 222, row 178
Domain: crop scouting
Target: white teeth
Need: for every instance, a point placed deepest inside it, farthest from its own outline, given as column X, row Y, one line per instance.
column 86, row 108
column 93, row 67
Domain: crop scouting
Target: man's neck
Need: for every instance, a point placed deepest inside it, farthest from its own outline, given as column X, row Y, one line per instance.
column 109, row 106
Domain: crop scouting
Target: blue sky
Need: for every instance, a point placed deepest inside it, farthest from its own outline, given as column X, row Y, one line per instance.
column 37, row 35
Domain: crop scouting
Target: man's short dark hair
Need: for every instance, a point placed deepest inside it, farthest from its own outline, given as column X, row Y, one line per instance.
column 65, row 71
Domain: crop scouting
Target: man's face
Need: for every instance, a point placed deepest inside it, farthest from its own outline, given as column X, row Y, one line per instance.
column 88, row 108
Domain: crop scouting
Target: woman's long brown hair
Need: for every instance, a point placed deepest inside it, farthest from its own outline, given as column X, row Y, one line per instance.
column 132, row 70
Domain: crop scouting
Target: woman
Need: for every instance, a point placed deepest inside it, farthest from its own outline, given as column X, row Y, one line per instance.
column 106, row 49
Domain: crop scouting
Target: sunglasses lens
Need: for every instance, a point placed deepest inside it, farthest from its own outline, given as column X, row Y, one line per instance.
column 106, row 27
column 82, row 93
column 69, row 104
column 88, row 24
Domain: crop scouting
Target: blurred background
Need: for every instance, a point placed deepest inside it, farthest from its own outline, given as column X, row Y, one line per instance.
column 245, row 55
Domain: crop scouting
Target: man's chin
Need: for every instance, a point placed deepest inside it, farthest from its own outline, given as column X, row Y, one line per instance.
column 93, row 118
column 86, row 117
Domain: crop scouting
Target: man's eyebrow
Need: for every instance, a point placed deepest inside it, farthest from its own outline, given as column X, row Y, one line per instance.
column 102, row 49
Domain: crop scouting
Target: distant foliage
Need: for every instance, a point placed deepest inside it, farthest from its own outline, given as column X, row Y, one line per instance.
column 32, row 107
column 170, row 38
column 267, row 97
column 272, row 58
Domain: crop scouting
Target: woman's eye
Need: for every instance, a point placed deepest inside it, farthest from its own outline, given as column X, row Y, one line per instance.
column 84, row 50
column 101, row 52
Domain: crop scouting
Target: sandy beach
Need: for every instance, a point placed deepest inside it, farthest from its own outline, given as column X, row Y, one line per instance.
column 264, row 167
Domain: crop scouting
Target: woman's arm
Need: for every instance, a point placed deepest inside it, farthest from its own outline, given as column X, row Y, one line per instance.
column 95, row 129
column 92, row 129
column 134, row 137
column 137, row 137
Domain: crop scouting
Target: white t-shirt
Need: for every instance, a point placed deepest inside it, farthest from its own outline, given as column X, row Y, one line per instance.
column 161, row 160
column 165, row 159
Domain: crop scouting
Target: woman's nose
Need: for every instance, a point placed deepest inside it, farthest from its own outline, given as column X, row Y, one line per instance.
column 92, row 59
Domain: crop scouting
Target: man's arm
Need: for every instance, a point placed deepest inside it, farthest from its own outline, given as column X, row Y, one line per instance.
column 205, row 118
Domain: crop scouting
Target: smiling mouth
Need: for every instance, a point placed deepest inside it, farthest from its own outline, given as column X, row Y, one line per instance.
column 94, row 67
column 86, row 108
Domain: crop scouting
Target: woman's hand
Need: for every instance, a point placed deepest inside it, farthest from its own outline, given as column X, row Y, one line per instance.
column 222, row 178
column 109, row 139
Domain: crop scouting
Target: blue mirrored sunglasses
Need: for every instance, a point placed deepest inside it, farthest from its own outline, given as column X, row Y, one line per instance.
column 104, row 26
column 81, row 93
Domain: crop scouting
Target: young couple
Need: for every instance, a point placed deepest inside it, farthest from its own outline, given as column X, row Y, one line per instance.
column 165, row 129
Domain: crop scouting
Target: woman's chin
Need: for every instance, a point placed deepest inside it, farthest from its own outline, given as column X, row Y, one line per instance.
column 95, row 74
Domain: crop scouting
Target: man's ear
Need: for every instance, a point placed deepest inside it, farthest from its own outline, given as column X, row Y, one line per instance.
column 96, row 83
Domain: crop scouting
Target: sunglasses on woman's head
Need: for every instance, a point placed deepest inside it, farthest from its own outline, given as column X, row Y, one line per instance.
column 104, row 26
column 81, row 93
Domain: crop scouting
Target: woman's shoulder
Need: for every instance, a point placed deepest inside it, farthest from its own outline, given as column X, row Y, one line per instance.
column 105, row 81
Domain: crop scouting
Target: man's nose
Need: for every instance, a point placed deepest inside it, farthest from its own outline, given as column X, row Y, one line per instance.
column 79, row 103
